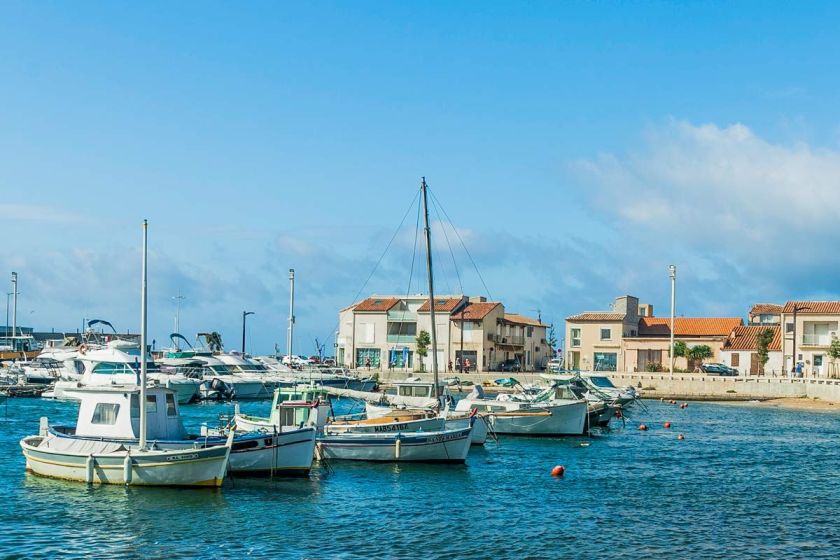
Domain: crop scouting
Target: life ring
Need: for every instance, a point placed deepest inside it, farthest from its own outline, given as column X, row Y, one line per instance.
column 83, row 349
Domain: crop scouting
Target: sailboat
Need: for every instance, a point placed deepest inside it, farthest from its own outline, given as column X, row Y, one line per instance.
column 106, row 460
column 386, row 440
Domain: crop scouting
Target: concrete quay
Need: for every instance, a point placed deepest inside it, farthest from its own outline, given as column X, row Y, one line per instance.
column 683, row 386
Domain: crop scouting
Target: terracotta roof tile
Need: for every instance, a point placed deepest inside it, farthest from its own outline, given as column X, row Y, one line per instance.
column 766, row 309
column 523, row 320
column 377, row 304
column 688, row 326
column 746, row 338
column 813, row 306
column 444, row 305
column 596, row 316
column 476, row 311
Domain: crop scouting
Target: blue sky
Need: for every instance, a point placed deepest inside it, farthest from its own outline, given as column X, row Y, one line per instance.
column 579, row 148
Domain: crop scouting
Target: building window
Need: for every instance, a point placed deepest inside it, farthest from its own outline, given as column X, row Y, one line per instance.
column 575, row 335
column 736, row 359
column 170, row 405
column 530, row 332
column 605, row 334
column 788, row 327
column 606, row 361
column 105, row 413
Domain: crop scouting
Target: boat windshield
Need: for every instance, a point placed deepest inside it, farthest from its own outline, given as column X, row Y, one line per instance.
column 602, row 382
column 220, row 369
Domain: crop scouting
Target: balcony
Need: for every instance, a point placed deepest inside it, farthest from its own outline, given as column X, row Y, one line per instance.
column 815, row 340
column 510, row 340
column 401, row 339
column 402, row 316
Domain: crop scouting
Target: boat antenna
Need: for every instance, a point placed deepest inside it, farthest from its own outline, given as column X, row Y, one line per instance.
column 428, row 234
column 143, row 326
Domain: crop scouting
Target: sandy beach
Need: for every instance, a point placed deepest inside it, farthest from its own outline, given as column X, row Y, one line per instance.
column 791, row 403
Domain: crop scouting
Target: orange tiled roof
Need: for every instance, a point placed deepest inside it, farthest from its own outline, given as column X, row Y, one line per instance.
column 476, row 311
column 814, row 306
column 596, row 316
column 377, row 304
column 523, row 320
column 746, row 338
column 443, row 305
column 766, row 309
column 688, row 326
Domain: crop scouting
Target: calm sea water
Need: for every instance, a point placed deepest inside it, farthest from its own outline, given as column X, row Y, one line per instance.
column 746, row 482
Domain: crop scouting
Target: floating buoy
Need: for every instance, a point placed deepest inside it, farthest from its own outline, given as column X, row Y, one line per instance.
column 558, row 471
column 673, row 402
column 584, row 444
column 685, row 405
column 667, row 424
column 680, row 437
column 661, row 399
column 643, row 427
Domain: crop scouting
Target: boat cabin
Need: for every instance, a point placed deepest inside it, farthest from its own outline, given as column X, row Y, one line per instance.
column 412, row 388
column 294, row 406
column 114, row 412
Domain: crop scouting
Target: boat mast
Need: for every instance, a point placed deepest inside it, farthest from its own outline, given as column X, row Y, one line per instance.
column 291, row 314
column 428, row 233
column 143, row 325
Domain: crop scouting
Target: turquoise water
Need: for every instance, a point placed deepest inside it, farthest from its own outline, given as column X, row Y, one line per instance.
column 746, row 482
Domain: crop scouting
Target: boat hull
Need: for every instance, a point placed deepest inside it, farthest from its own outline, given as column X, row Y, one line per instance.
column 194, row 467
column 451, row 446
column 566, row 420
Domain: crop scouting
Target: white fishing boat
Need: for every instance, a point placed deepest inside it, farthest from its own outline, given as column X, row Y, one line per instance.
column 445, row 446
column 514, row 417
column 296, row 406
column 600, row 386
column 105, row 461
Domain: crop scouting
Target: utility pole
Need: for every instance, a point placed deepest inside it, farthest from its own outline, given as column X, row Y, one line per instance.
column 14, row 305
column 143, row 326
column 461, row 361
column 796, row 308
column 428, row 233
column 244, row 314
column 673, row 271
column 290, row 337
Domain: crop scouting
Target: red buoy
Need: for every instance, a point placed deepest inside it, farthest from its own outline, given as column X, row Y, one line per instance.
column 667, row 424
column 558, row 471
column 680, row 437
column 643, row 427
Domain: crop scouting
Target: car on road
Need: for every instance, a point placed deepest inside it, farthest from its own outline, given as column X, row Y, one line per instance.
column 509, row 365
column 718, row 369
column 554, row 365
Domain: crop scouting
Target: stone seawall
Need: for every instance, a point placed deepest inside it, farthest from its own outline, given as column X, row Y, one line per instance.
column 685, row 386
column 714, row 388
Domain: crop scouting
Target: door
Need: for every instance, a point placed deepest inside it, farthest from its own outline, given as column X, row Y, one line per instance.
column 818, row 364
column 755, row 364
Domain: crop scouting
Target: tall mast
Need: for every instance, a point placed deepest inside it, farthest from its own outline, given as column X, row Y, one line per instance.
column 428, row 233
column 14, row 307
column 291, row 314
column 143, row 306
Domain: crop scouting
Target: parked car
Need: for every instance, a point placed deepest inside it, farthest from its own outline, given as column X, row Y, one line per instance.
column 509, row 365
column 554, row 365
column 718, row 369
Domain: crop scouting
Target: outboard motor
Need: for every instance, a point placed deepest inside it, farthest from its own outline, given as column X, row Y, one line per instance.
column 223, row 391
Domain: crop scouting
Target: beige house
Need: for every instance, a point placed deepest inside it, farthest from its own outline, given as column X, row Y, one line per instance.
column 381, row 332
column 629, row 338
column 810, row 327
column 740, row 350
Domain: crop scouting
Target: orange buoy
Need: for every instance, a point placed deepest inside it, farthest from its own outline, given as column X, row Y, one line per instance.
column 667, row 424
column 558, row 471
column 643, row 427
column 673, row 402
column 680, row 437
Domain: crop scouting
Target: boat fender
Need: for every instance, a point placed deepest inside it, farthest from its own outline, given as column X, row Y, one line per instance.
column 83, row 349
column 89, row 466
column 397, row 449
column 127, row 470
column 318, row 453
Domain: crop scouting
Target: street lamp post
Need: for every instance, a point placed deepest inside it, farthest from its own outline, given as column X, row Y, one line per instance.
column 178, row 299
column 244, row 314
column 14, row 303
column 796, row 308
column 673, row 271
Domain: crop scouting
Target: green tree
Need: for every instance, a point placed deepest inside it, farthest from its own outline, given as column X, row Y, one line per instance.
column 700, row 352
column 552, row 339
column 680, row 349
column 765, row 337
column 422, row 345
column 834, row 353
